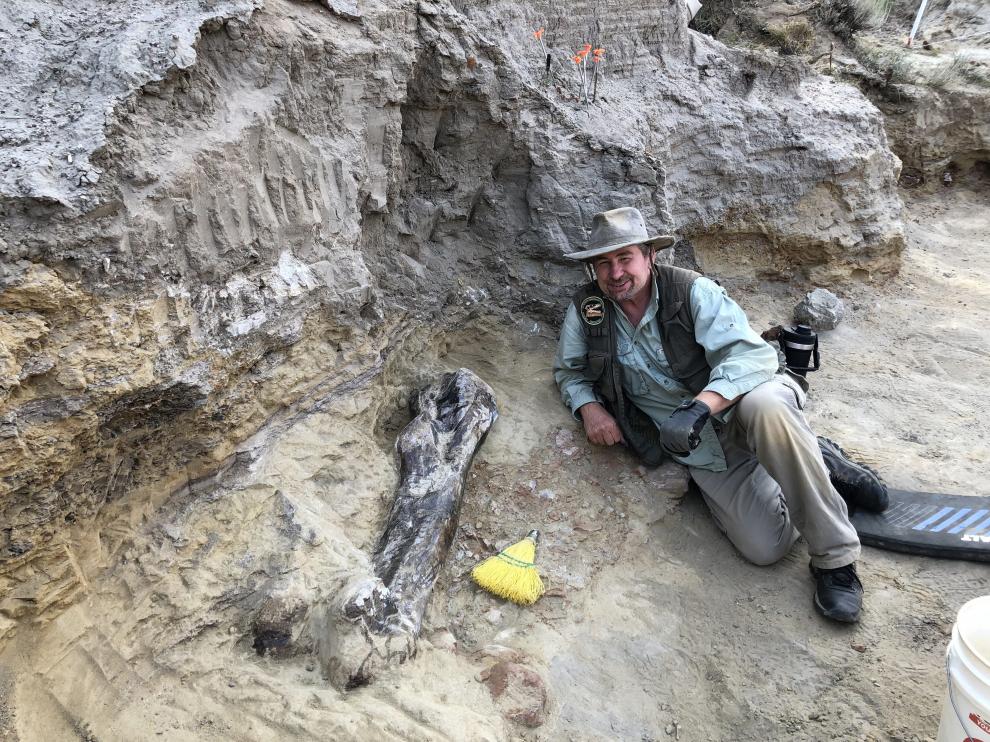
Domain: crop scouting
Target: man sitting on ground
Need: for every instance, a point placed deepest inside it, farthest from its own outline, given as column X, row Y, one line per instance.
column 662, row 360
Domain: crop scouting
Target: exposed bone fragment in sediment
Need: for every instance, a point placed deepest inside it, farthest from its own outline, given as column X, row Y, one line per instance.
column 379, row 617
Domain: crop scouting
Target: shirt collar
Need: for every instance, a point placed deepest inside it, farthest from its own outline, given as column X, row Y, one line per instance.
column 654, row 305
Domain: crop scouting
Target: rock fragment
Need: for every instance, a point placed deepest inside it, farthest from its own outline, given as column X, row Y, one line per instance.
column 277, row 624
column 502, row 653
column 344, row 8
column 519, row 692
column 820, row 309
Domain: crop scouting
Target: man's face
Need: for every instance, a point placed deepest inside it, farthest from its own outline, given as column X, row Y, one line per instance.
column 624, row 273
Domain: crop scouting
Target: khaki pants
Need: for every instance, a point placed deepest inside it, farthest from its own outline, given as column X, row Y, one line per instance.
column 776, row 484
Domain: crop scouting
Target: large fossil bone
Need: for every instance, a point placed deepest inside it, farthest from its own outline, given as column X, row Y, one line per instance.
column 376, row 620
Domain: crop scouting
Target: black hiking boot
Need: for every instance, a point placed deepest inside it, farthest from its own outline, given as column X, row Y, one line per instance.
column 859, row 485
column 838, row 593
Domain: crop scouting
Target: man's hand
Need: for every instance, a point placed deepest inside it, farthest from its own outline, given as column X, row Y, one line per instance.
column 600, row 426
column 680, row 433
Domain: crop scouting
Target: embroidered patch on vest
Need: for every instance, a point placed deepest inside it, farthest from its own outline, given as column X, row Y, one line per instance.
column 593, row 310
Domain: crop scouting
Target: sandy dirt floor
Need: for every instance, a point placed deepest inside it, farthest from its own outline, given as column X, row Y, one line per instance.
column 675, row 628
column 653, row 628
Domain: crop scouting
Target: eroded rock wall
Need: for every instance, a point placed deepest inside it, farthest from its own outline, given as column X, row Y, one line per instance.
column 933, row 96
column 945, row 125
column 209, row 278
column 277, row 194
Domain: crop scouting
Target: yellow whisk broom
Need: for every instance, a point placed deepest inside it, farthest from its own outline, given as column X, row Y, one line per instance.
column 512, row 573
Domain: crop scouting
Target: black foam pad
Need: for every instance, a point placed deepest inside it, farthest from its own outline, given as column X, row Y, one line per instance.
column 930, row 524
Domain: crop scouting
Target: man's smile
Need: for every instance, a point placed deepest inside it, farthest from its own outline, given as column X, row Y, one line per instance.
column 624, row 274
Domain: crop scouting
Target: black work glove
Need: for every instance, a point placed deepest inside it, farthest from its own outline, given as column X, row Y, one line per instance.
column 680, row 433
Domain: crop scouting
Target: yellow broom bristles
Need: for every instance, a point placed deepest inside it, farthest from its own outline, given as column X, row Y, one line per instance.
column 511, row 573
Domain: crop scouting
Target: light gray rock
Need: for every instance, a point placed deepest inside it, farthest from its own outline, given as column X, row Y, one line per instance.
column 933, row 98
column 820, row 309
column 66, row 66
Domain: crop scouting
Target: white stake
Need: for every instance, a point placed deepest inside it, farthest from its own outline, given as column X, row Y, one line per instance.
column 917, row 21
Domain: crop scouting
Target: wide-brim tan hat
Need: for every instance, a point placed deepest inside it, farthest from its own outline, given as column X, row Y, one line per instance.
column 618, row 228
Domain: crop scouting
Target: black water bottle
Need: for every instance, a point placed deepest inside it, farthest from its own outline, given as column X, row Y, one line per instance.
column 800, row 345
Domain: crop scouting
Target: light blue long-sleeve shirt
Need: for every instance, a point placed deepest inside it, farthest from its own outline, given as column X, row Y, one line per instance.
column 739, row 358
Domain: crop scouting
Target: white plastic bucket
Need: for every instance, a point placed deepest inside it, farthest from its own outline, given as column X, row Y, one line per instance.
column 966, row 711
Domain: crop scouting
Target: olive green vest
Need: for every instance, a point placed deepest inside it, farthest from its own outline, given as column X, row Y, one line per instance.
column 685, row 356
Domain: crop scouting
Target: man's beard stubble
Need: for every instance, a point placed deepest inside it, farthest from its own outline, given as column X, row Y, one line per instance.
column 626, row 294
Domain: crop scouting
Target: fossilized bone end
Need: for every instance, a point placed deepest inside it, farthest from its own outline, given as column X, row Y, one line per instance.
column 359, row 633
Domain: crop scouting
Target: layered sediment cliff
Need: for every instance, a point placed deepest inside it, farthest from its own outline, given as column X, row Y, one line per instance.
column 216, row 216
